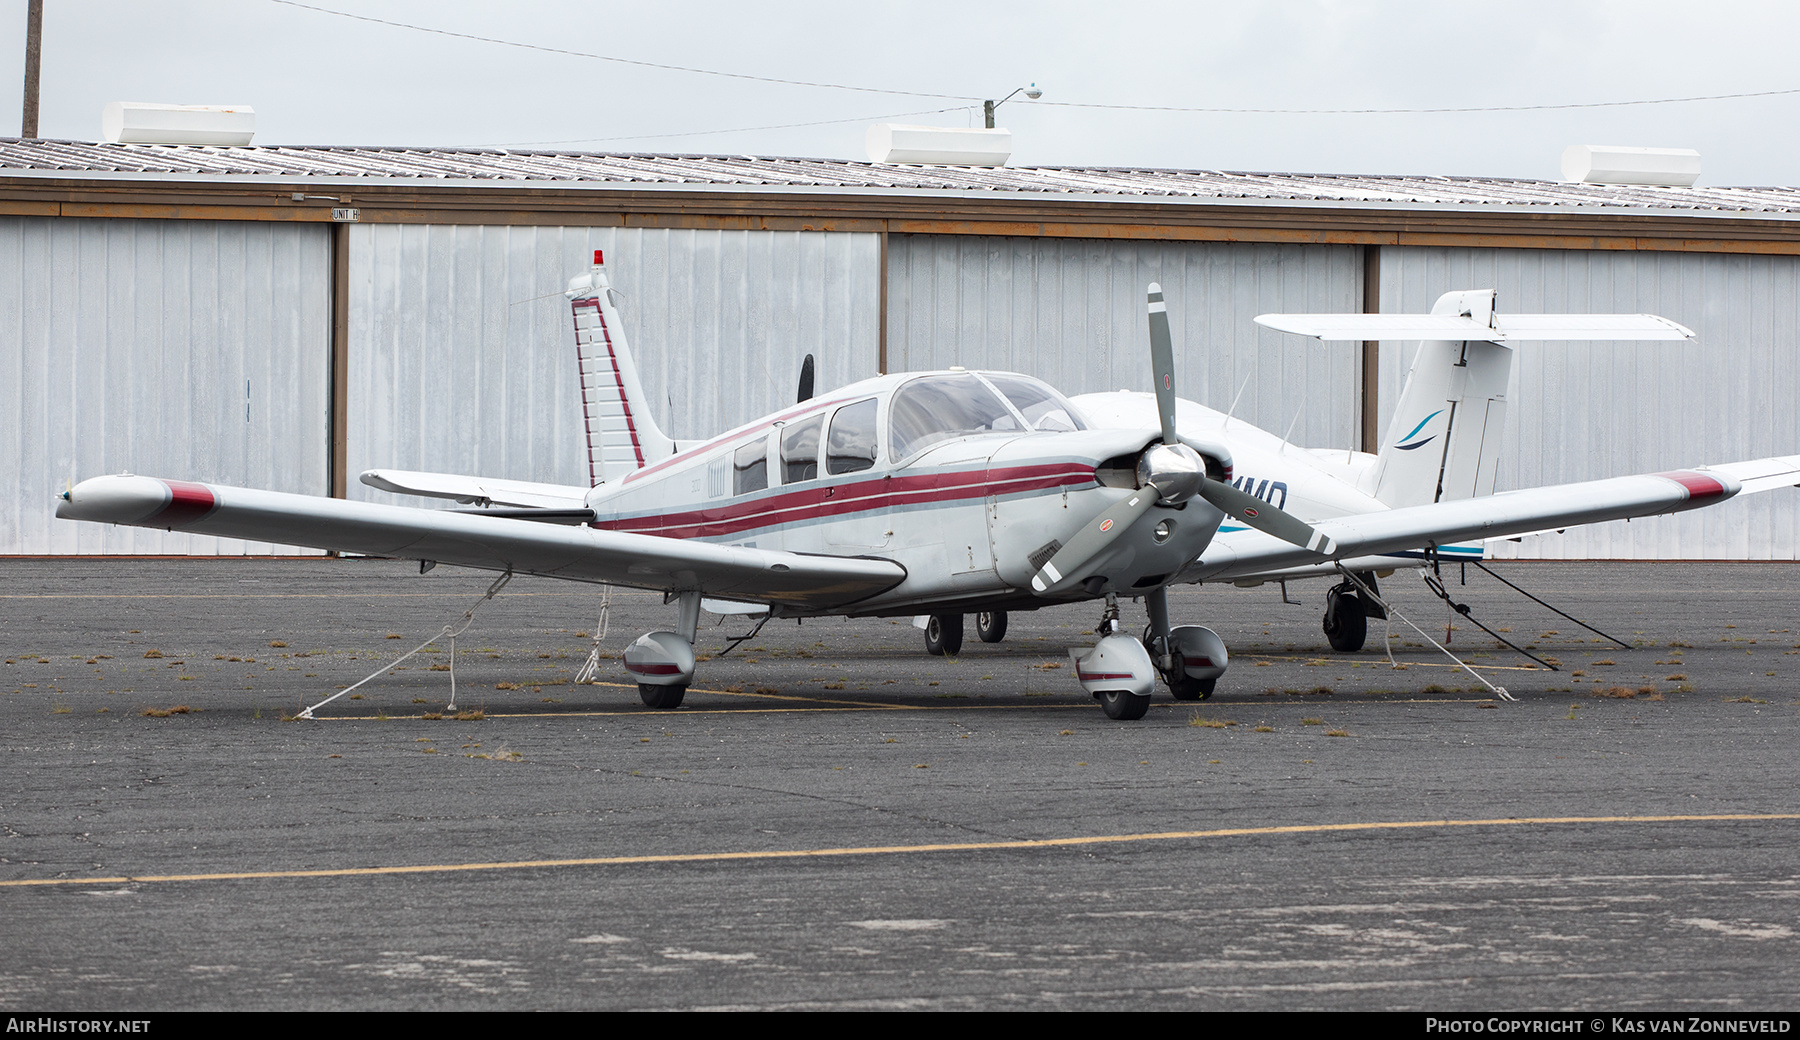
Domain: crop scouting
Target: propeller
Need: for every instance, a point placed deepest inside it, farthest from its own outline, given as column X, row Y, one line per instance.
column 1171, row 473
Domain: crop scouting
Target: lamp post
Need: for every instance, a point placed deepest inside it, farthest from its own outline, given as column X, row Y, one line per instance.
column 987, row 107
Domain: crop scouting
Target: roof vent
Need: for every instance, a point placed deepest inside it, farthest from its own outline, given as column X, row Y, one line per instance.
column 938, row 145
column 1614, row 164
column 139, row 122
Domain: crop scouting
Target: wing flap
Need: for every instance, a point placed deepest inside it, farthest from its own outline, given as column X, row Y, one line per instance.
column 473, row 540
column 477, row 490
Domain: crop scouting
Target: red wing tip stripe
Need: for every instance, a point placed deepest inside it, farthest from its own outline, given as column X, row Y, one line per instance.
column 188, row 502
column 1698, row 485
column 652, row 669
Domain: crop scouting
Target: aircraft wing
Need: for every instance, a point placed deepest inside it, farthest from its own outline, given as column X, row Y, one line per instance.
column 1496, row 516
column 478, row 490
column 1507, row 328
column 487, row 542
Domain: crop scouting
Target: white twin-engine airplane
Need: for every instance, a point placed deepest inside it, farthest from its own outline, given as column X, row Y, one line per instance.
column 940, row 494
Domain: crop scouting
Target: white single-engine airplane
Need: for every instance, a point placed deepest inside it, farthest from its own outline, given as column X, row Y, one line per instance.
column 956, row 492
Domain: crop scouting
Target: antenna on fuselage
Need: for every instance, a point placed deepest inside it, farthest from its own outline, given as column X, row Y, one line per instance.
column 806, row 381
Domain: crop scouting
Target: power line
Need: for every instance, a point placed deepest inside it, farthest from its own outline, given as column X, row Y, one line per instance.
column 1202, row 110
column 1419, row 111
column 612, row 58
column 736, row 129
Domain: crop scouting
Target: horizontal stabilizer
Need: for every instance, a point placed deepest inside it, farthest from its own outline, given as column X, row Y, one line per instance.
column 478, row 490
column 1507, row 328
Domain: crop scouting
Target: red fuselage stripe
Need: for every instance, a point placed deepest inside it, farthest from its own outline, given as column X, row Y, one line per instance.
column 820, row 501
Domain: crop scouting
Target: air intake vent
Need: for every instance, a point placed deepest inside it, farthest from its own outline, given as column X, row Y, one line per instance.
column 139, row 122
column 1614, row 164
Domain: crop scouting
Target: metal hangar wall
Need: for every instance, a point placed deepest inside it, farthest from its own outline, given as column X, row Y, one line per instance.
column 198, row 313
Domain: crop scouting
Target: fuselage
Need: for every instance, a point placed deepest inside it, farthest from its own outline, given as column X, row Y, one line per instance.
column 963, row 478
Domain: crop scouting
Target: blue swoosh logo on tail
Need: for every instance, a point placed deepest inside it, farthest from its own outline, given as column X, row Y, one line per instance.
column 1416, row 429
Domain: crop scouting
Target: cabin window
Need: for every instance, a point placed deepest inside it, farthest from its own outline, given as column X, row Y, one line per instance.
column 851, row 446
column 800, row 450
column 936, row 408
column 1042, row 407
column 751, row 467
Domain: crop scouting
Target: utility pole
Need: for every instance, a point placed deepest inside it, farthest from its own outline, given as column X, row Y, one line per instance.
column 34, row 42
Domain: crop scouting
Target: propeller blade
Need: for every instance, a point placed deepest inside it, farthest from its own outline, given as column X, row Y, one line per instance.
column 806, row 381
column 1254, row 512
column 1162, row 363
column 1093, row 539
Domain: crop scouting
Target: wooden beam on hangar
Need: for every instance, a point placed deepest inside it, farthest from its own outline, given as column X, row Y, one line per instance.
column 1492, row 227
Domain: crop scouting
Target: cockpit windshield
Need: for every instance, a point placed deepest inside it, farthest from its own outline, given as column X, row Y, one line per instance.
column 936, row 408
column 1042, row 407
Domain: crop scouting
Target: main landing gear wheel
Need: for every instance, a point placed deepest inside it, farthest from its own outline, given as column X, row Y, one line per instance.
column 990, row 625
column 1123, row 706
column 944, row 635
column 1346, row 622
column 663, row 697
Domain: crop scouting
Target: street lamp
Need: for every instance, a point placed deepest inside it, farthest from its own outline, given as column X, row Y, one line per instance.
column 987, row 107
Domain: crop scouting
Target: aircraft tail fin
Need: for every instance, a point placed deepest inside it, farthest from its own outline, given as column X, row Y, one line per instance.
column 1443, row 443
column 621, row 435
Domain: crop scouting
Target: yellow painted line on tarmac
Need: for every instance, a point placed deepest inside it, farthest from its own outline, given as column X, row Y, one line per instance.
column 899, row 850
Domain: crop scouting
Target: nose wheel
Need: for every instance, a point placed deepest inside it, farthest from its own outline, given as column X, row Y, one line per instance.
column 1188, row 689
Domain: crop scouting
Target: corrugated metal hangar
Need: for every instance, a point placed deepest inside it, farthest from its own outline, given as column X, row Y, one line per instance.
column 284, row 318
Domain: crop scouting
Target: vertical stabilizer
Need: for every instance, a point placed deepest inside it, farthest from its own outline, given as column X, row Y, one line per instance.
column 621, row 435
column 1444, row 441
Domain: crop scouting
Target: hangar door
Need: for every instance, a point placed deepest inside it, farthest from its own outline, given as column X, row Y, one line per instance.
column 196, row 350
column 462, row 348
column 1071, row 312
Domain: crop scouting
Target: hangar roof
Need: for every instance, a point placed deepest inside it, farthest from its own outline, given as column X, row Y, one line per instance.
column 475, row 167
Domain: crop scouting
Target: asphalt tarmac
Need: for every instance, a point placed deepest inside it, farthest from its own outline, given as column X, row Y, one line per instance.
column 837, row 820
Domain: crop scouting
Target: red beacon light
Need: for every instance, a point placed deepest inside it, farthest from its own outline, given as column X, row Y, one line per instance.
column 599, row 260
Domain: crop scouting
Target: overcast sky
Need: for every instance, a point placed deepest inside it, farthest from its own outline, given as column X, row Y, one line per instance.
column 314, row 78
